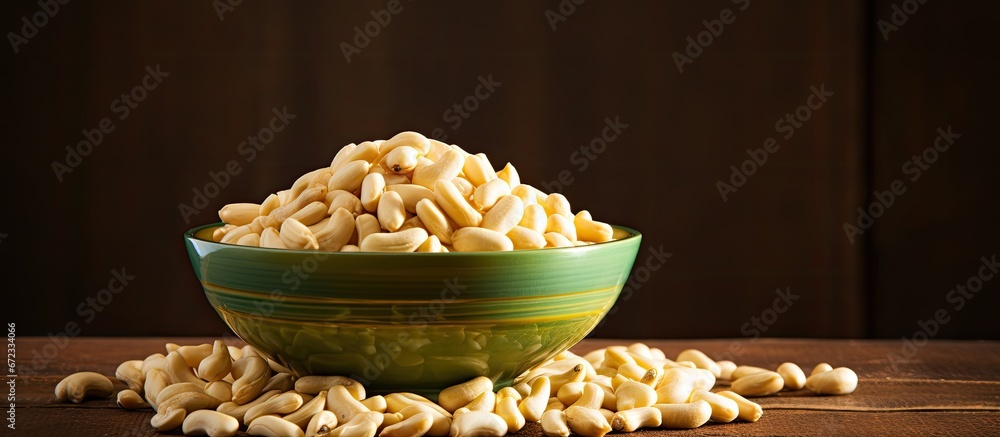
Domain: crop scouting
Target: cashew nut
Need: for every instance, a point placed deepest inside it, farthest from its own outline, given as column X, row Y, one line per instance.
column 296, row 235
column 749, row 411
column 533, row 405
column 274, row 426
column 248, row 351
column 700, row 360
column 576, row 373
column 587, row 422
column 478, row 424
column 569, row 393
column 389, row 419
column 559, row 224
column 252, row 374
column 793, row 376
column 555, row 239
column 402, row 241
column 391, row 212
column 726, row 369
column 410, row 194
column 556, row 203
column 453, row 203
column 239, row 411
column 333, row 236
column 505, row 214
column 724, row 410
column 268, row 238
column 130, row 400
column 631, row 420
column 478, row 171
column 839, row 381
column 446, row 168
column 634, row 394
column 395, row 402
column 554, row 424
column 322, row 423
column 221, row 390
column 188, row 401
column 252, row 240
column 820, row 368
column 441, row 425
column 193, row 354
column 349, row 176
column 309, row 409
column 457, row 396
column 314, row 384
column 179, row 371
column 593, row 396
column 168, row 420
column 701, row 379
column 83, row 385
column 372, row 187
column 210, row 423
column 741, row 371
column 367, row 151
column 217, row 365
column 230, row 237
column 608, row 414
column 588, row 229
column 281, row 404
column 435, row 220
column 631, row 371
column 509, row 175
column 758, row 384
column 130, row 372
column 156, row 381
column 311, row 213
column 554, row 404
column 304, row 198
column 219, row 233
column 154, row 361
column 175, row 389
column 375, row 403
column 414, row 426
column 465, row 187
column 534, row 217
column 684, row 416
column 280, row 381
column 486, row 196
column 340, row 401
column 269, row 204
column 486, row 401
column 507, row 410
column 362, row 425
column 524, row 238
column 530, row 195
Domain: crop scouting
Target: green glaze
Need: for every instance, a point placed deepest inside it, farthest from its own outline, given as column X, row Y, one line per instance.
column 412, row 322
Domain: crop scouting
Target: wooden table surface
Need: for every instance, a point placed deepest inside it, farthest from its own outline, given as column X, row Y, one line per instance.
column 944, row 388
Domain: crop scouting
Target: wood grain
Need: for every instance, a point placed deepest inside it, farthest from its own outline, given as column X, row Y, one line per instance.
column 946, row 387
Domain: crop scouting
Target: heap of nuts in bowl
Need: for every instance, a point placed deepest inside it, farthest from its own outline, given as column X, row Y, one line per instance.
column 409, row 194
column 216, row 390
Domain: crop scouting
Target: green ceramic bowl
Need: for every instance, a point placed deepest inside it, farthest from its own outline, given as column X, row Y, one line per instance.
column 412, row 322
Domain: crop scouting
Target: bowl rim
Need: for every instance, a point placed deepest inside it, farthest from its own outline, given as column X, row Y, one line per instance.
column 190, row 235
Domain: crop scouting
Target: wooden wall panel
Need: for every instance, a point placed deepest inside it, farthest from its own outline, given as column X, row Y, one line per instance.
column 938, row 69
column 781, row 230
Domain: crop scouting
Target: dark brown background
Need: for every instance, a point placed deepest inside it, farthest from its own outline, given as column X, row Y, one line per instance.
column 782, row 229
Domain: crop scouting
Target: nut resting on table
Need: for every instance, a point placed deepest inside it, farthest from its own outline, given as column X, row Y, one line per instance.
column 217, row 390
column 409, row 194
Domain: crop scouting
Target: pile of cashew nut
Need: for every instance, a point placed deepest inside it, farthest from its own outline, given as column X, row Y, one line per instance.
column 215, row 390
column 409, row 194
